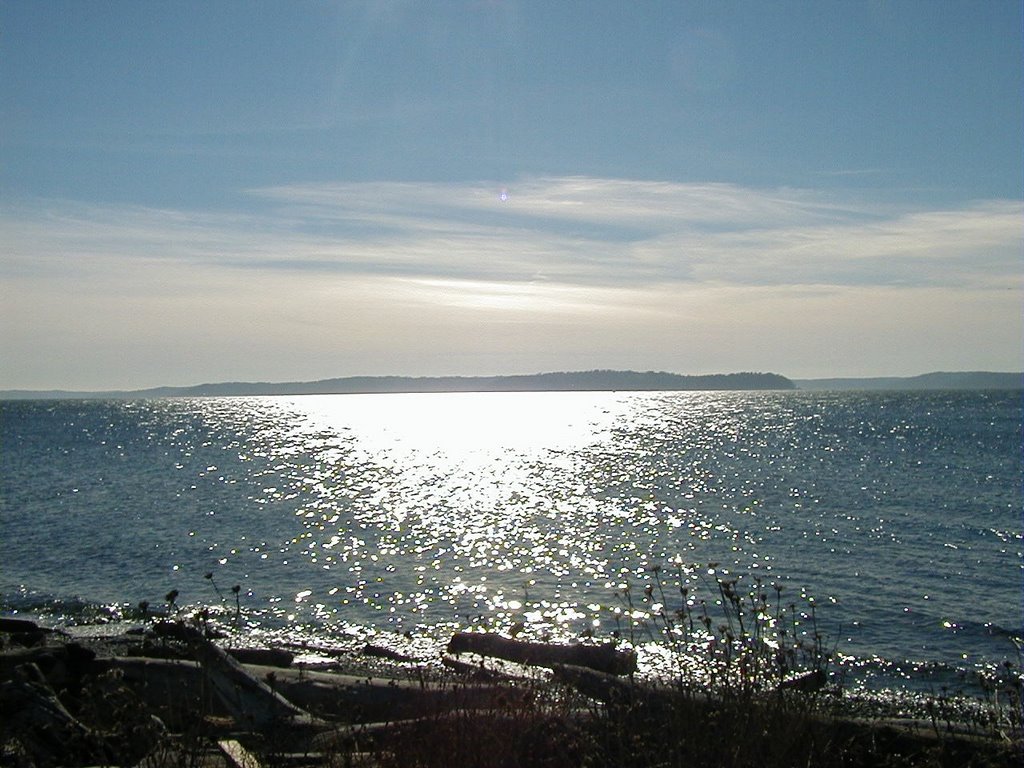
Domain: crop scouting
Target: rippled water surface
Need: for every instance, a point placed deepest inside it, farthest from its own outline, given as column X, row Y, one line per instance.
column 899, row 512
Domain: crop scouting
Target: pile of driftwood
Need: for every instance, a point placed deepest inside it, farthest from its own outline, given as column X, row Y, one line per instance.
column 133, row 699
column 169, row 695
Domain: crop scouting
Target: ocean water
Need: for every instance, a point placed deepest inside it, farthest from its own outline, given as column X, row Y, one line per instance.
column 408, row 516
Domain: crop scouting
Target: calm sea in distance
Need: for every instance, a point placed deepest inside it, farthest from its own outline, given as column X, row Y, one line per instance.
column 409, row 516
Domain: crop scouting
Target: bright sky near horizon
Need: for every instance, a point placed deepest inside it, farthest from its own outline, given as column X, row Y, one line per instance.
column 281, row 191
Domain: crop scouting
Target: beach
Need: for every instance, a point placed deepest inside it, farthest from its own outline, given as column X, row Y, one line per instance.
column 180, row 692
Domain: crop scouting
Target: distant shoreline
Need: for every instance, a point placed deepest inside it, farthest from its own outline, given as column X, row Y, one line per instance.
column 578, row 381
column 928, row 381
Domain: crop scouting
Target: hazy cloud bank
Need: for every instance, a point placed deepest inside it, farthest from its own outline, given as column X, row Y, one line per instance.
column 550, row 273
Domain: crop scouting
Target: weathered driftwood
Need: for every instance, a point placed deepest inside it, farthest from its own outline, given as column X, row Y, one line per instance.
column 249, row 701
column 23, row 632
column 459, row 727
column 619, row 694
column 173, row 687
column 366, row 736
column 175, row 690
column 15, row 626
column 604, row 658
column 372, row 736
column 613, row 690
column 59, row 663
column 238, row 755
column 474, row 671
column 34, row 716
column 359, row 699
column 267, row 657
column 806, row 682
column 598, row 685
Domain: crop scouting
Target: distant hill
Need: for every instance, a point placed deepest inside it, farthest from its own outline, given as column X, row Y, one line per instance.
column 937, row 380
column 580, row 381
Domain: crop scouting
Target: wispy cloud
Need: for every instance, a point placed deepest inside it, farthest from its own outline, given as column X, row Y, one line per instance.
column 570, row 231
column 443, row 278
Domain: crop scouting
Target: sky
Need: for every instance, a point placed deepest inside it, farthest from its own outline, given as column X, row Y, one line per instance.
column 210, row 191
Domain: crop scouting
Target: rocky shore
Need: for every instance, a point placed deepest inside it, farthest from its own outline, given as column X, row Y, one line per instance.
column 172, row 693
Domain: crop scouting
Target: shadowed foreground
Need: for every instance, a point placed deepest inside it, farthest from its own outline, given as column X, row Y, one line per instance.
column 167, row 695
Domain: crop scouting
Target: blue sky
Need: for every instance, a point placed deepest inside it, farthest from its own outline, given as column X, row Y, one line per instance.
column 217, row 191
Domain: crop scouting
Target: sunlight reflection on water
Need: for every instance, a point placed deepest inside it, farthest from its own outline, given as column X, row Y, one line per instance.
column 467, row 503
column 453, row 499
column 459, row 428
column 899, row 511
column 495, row 509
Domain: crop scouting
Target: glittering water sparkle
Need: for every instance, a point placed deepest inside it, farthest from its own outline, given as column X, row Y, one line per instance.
column 898, row 512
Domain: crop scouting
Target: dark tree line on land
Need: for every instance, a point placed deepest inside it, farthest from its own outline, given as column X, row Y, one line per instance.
column 577, row 381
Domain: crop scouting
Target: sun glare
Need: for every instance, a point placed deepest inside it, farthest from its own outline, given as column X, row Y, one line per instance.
column 516, row 297
column 465, row 424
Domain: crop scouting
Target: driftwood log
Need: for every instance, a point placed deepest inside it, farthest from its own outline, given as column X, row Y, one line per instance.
column 603, row 658
column 24, row 632
column 174, row 690
column 250, row 701
column 459, row 726
column 601, row 686
column 32, row 714
column 237, row 755
column 62, row 665
column 359, row 699
column 172, row 687
column 12, row 625
column 266, row 657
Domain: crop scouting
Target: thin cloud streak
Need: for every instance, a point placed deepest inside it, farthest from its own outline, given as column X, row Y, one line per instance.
column 611, row 202
column 574, row 231
column 979, row 246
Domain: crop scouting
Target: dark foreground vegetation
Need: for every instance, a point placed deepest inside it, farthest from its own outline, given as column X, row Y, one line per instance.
column 173, row 694
column 747, row 682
